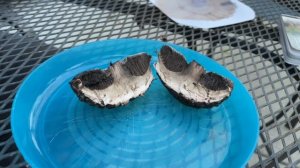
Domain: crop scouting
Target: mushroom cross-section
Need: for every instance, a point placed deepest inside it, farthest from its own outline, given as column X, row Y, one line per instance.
column 116, row 85
column 189, row 82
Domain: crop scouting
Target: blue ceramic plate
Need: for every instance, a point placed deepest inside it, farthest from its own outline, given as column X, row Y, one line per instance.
column 52, row 128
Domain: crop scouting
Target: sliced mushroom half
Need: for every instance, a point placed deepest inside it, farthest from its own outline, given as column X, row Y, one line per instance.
column 116, row 85
column 189, row 82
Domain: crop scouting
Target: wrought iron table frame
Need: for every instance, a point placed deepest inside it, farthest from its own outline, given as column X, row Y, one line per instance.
column 33, row 31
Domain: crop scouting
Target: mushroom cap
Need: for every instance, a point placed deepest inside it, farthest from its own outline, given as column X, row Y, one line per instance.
column 116, row 85
column 189, row 82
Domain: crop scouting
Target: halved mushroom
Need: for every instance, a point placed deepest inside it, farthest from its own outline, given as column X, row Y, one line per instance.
column 117, row 85
column 189, row 82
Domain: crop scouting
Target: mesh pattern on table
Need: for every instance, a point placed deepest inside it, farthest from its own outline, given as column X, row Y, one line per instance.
column 32, row 31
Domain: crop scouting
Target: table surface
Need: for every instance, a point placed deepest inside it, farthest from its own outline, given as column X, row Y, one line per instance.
column 31, row 31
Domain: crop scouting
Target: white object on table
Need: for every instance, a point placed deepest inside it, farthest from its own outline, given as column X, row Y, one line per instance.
column 173, row 9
